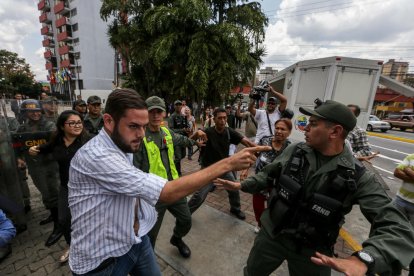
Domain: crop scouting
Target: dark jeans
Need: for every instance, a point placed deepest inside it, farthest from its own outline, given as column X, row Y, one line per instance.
column 139, row 260
column 180, row 211
column 199, row 196
column 64, row 213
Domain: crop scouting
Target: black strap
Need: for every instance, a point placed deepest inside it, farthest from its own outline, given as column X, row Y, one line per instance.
column 268, row 122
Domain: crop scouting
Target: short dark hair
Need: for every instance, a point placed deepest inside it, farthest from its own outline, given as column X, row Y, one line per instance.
column 121, row 100
column 357, row 109
column 219, row 110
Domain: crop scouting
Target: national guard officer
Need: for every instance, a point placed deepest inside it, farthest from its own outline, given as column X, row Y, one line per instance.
column 42, row 169
column 50, row 109
column 9, row 178
column 156, row 156
column 314, row 185
column 178, row 123
column 93, row 121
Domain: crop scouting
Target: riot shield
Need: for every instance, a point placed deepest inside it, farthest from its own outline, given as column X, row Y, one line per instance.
column 9, row 178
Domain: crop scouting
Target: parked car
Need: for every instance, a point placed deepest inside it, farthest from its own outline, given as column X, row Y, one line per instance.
column 375, row 123
column 402, row 121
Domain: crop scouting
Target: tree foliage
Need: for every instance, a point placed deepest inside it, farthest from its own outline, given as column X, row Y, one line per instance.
column 192, row 48
column 16, row 76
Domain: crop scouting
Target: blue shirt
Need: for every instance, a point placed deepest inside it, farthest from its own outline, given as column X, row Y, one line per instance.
column 7, row 230
column 103, row 189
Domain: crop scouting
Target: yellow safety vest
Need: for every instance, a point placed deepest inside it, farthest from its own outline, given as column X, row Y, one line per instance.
column 154, row 156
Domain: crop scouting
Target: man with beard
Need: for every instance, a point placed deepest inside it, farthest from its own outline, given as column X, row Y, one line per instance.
column 112, row 202
column 266, row 118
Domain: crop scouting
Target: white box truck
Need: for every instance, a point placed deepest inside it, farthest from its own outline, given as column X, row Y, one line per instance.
column 343, row 79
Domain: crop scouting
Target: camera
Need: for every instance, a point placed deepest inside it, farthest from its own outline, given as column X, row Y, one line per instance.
column 259, row 91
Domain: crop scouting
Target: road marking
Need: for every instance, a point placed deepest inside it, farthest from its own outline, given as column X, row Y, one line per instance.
column 391, row 137
column 389, row 158
column 384, row 170
column 347, row 237
column 393, row 150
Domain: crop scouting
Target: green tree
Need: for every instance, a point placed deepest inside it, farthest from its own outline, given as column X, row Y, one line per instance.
column 192, row 48
column 15, row 75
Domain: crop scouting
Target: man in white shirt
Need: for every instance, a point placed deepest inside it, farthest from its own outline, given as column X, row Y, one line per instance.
column 266, row 118
column 112, row 202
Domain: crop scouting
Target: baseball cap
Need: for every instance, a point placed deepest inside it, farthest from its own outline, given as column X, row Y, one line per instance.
column 79, row 102
column 177, row 102
column 334, row 112
column 271, row 99
column 155, row 102
column 94, row 99
column 50, row 100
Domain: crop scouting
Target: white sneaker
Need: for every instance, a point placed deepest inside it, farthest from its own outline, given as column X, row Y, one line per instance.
column 256, row 229
column 64, row 258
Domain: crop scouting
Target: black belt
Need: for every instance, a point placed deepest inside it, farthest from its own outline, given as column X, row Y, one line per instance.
column 104, row 265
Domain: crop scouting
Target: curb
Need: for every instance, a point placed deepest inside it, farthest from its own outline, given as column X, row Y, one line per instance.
column 347, row 237
column 391, row 137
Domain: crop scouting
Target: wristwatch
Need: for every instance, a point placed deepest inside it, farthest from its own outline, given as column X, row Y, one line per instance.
column 367, row 259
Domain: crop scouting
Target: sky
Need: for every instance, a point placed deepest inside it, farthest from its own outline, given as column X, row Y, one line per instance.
column 297, row 30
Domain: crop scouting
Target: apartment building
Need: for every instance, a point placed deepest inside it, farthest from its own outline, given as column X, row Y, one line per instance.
column 75, row 40
column 395, row 69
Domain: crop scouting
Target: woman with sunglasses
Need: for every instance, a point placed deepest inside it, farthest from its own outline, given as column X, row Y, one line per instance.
column 68, row 138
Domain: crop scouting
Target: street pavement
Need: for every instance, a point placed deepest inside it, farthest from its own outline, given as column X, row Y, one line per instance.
column 220, row 243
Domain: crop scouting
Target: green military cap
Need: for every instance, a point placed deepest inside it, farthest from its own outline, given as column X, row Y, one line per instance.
column 155, row 102
column 334, row 112
column 50, row 99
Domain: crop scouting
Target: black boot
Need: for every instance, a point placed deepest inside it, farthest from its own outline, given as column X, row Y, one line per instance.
column 57, row 232
column 182, row 247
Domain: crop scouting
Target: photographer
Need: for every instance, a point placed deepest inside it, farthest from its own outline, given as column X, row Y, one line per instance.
column 266, row 118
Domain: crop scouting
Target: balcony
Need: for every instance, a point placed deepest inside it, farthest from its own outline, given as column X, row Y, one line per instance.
column 64, row 36
column 44, row 18
column 48, row 54
column 48, row 42
column 46, row 30
column 49, row 66
column 61, row 21
column 43, row 5
column 65, row 63
column 64, row 49
column 61, row 8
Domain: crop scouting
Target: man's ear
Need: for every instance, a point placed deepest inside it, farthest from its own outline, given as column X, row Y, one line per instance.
column 337, row 131
column 109, row 122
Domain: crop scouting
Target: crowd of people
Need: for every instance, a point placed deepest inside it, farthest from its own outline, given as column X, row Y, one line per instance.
column 108, row 177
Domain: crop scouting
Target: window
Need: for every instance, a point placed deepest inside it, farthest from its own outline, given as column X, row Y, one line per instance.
column 73, row 12
column 80, row 84
column 79, row 69
column 76, row 41
column 75, row 27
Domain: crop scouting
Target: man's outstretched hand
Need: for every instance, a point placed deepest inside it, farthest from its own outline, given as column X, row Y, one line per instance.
column 351, row 266
column 246, row 157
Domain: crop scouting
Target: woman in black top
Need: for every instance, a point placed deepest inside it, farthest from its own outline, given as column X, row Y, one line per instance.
column 68, row 138
column 278, row 142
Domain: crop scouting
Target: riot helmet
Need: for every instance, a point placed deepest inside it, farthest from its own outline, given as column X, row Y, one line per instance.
column 30, row 105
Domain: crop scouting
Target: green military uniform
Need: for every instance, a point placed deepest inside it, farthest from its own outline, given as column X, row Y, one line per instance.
column 9, row 177
column 391, row 241
column 156, row 155
column 43, row 169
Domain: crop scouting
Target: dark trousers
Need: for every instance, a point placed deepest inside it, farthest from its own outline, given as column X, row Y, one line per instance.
column 269, row 253
column 199, row 196
column 64, row 213
column 180, row 211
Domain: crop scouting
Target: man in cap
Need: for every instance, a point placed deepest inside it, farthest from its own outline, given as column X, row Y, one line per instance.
column 50, row 109
column 314, row 185
column 266, row 118
column 178, row 123
column 156, row 155
column 93, row 121
column 43, row 169
column 80, row 106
